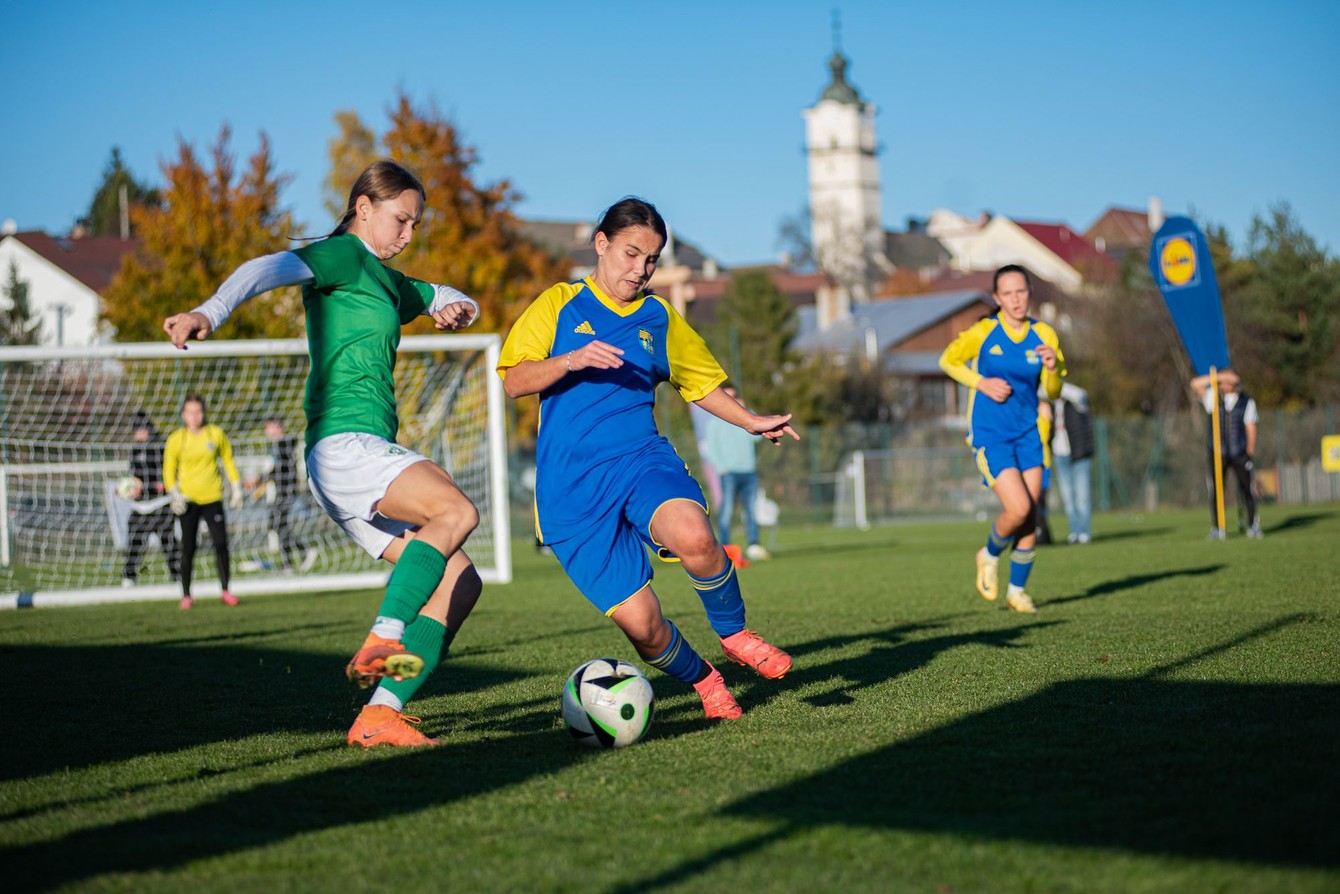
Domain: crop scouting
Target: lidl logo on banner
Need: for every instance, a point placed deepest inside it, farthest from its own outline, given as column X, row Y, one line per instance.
column 1178, row 260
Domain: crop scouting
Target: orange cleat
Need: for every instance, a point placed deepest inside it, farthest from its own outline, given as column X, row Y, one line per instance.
column 747, row 647
column 186, row 602
column 380, row 725
column 382, row 658
column 228, row 598
column 718, row 703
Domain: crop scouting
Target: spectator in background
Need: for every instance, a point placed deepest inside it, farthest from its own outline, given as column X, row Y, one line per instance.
column 284, row 479
column 1237, row 438
column 1044, row 530
column 1072, row 458
column 731, row 452
column 699, row 417
column 146, row 467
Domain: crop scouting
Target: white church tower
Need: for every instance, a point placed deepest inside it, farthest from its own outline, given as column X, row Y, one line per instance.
column 846, row 220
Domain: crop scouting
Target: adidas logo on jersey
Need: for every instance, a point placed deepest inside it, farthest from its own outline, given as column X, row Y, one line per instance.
column 995, row 349
column 584, row 329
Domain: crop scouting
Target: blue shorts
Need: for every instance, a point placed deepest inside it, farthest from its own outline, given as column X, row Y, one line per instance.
column 607, row 558
column 1024, row 452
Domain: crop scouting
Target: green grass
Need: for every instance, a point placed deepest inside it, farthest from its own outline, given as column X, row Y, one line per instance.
column 1168, row 722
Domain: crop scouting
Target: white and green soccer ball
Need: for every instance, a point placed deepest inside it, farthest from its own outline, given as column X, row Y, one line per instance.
column 129, row 488
column 608, row 703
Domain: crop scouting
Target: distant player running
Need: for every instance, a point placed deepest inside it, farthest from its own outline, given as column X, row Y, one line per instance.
column 394, row 503
column 1005, row 357
column 608, row 486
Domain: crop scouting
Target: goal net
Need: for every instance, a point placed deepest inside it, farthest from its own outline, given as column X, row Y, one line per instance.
column 66, row 417
column 908, row 484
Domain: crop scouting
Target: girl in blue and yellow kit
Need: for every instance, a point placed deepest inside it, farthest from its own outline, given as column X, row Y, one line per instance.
column 1005, row 357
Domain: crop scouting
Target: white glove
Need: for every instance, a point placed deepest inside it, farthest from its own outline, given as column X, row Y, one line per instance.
column 235, row 498
column 178, row 502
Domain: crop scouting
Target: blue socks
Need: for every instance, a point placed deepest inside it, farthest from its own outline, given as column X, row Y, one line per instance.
column 1021, row 563
column 679, row 660
column 722, row 601
column 995, row 544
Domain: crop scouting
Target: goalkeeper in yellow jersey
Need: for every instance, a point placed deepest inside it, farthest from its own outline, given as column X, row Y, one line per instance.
column 1003, row 360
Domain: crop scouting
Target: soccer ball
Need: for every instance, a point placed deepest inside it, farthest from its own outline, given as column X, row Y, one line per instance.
column 607, row 703
column 129, row 488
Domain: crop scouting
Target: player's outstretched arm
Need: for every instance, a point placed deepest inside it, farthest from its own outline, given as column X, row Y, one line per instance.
column 772, row 427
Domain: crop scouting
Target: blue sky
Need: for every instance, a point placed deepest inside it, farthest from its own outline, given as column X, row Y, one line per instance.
column 1039, row 110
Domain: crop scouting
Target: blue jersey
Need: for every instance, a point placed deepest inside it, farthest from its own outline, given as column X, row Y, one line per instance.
column 592, row 417
column 990, row 349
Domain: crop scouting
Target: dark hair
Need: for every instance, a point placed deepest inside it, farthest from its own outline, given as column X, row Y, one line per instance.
column 382, row 180
column 141, row 420
column 1010, row 268
column 630, row 211
column 204, row 409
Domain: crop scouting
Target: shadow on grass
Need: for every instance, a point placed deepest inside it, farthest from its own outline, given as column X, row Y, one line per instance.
column 108, row 703
column 374, row 786
column 1301, row 520
column 897, row 651
column 1132, row 582
column 1127, row 534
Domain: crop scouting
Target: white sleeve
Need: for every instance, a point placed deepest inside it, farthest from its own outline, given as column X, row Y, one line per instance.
column 444, row 295
column 1250, row 415
column 255, row 276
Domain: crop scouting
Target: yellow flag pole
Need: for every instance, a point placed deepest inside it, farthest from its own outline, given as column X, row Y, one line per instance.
column 1215, row 423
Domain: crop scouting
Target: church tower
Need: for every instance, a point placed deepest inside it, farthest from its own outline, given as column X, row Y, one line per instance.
column 846, row 221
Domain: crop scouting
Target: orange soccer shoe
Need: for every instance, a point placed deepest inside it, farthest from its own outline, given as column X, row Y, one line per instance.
column 718, row 703
column 379, row 658
column 381, row 725
column 747, row 647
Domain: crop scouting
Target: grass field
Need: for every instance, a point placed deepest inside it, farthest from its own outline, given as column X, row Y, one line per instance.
column 1169, row 721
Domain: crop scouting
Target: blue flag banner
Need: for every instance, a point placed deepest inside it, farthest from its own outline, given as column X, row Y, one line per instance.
column 1179, row 258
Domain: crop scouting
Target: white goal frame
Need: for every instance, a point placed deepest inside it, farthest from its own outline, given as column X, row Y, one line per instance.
column 491, row 541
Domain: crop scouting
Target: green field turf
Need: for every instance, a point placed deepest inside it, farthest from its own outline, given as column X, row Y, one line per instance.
column 1170, row 721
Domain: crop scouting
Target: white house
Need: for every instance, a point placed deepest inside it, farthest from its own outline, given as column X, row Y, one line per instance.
column 65, row 276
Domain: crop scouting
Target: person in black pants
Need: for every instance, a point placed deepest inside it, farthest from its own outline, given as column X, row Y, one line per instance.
column 146, row 466
column 284, row 480
column 1238, row 418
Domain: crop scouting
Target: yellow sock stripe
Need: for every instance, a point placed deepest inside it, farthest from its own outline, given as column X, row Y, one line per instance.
column 716, row 581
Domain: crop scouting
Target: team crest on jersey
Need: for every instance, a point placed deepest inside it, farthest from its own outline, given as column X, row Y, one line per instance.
column 1032, row 358
column 396, row 450
column 584, row 329
column 645, row 337
column 995, row 351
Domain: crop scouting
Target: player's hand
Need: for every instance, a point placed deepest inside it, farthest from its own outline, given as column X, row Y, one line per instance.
column 593, row 355
column 181, row 328
column 456, row 315
column 772, row 427
column 178, row 502
column 235, row 497
column 1250, row 465
column 998, row 390
column 1047, row 354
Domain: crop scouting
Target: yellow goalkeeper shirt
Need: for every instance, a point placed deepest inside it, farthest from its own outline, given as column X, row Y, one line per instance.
column 191, row 463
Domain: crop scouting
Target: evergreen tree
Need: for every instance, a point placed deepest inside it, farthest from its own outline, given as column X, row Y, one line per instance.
column 19, row 324
column 1284, row 317
column 752, row 339
column 104, row 213
column 209, row 223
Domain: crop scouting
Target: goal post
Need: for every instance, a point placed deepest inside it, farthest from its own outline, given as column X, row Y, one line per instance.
column 908, row 484
column 66, row 416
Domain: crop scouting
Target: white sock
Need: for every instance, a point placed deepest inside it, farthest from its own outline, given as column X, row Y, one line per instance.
column 384, row 696
column 389, row 628
column 1014, row 590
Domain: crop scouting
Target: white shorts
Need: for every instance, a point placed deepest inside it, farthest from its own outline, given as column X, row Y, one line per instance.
column 348, row 473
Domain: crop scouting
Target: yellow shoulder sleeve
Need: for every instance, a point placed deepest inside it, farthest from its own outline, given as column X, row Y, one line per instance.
column 694, row 372
column 532, row 335
column 963, row 350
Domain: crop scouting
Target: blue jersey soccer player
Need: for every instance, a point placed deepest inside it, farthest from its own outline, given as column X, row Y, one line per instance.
column 1005, row 357
column 608, row 486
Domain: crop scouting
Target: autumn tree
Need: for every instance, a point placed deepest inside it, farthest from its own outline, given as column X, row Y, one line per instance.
column 104, row 212
column 469, row 237
column 209, row 222
column 19, row 323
